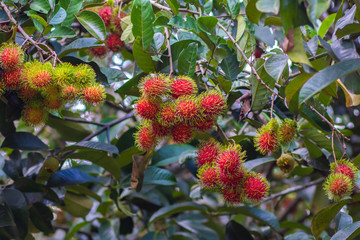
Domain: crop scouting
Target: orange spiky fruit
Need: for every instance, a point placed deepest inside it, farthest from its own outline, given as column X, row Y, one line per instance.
column 12, row 78
column 154, row 85
column 37, row 75
column 94, row 94
column 344, row 167
column 145, row 138
column 33, row 115
column 338, row 186
column 11, row 56
column 182, row 86
column 266, row 140
column 208, row 152
column 255, row 187
column 52, row 102
column 26, row 93
column 147, row 108
column 69, row 92
column 287, row 131
column 212, row 103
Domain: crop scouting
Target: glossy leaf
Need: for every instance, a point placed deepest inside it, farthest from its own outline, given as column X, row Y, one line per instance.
column 347, row 233
column 58, row 15
column 93, row 23
column 169, row 154
column 77, row 205
column 268, row 6
column 251, row 164
column 142, row 18
column 62, row 32
column 24, row 141
column 144, row 60
column 72, row 8
column 41, row 6
column 70, row 176
column 88, row 145
column 159, row 176
column 230, row 65
column 41, row 216
column 275, row 65
column 187, row 60
column 235, row 231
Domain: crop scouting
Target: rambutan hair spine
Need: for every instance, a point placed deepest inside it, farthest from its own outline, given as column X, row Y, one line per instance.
column 266, row 140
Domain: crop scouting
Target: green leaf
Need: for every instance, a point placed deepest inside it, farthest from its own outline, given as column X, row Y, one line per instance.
column 174, row 5
column 176, row 208
column 348, row 29
column 344, row 220
column 41, row 216
column 230, row 65
column 207, row 24
column 252, row 13
column 347, row 233
column 84, row 190
column 298, row 236
column 41, row 6
column 74, row 229
column 294, row 87
column 72, row 8
column 58, row 16
column 142, row 17
column 251, row 164
column 234, row 7
column 293, row 14
column 144, row 60
column 24, row 141
column 297, row 53
column 275, row 65
column 169, row 154
column 326, row 24
column 187, row 60
column 236, row 231
column 316, row 9
column 62, row 32
column 325, row 77
column 241, row 25
column 88, row 145
column 70, row 176
column 93, row 23
column 39, row 19
column 77, row 205
column 159, row 176
column 322, row 219
column 268, row 6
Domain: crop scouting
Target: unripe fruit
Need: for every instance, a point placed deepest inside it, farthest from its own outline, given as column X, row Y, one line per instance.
column 147, row 108
column 168, row 115
column 208, row 152
column 287, row 131
column 84, row 75
column 187, row 108
column 266, row 140
column 212, row 103
column 33, row 116
column 114, row 42
column 338, row 186
column 154, row 85
column 145, row 138
column 69, row 92
column 51, row 164
column 182, row 86
column 37, row 75
column 27, row 93
column 182, row 133
column 208, row 179
column 106, row 15
column 233, row 195
column 286, row 163
column 52, row 102
column 94, row 94
column 11, row 56
column 344, row 167
column 12, row 78
column 255, row 187
column 63, row 74
column 98, row 52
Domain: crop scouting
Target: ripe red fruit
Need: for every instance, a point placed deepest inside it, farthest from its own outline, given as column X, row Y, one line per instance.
column 154, row 85
column 147, row 108
column 11, row 56
column 27, row 93
column 183, row 86
column 268, row 142
column 233, row 195
column 231, row 179
column 145, row 138
column 41, row 79
column 208, row 152
column 12, row 78
column 69, row 92
column 255, row 187
column 106, row 14
column 231, row 159
column 94, row 94
column 168, row 115
column 212, row 103
column 159, row 130
column 117, row 21
column 33, row 116
column 98, row 51
column 187, row 108
column 337, row 186
column 344, row 167
column 181, row 133
column 114, row 42
column 205, row 123
column 208, row 177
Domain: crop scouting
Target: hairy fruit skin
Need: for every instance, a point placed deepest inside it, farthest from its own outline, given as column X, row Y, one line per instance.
column 266, row 140
column 233, row 195
column 33, row 116
column 212, row 103
column 154, row 85
column 53, row 102
column 145, row 138
column 230, row 160
column 114, row 42
column 287, row 131
column 208, row 177
column 37, row 75
column 98, row 52
column 159, row 130
column 337, row 186
column 344, row 167
column 147, row 108
column 168, row 115
column 182, row 86
column 187, row 108
column 286, row 163
column 13, row 78
column 106, row 15
column 84, row 75
column 69, row 92
column 94, row 94
column 255, row 187
column 204, row 124
column 11, row 56
column 27, row 93
column 63, row 74
column 208, row 152
column 181, row 133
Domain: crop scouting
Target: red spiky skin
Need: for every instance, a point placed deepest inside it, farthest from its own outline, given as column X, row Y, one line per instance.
column 255, row 188
column 338, row 187
column 117, row 21
column 182, row 87
column 154, row 86
column 12, row 78
column 212, row 104
column 181, row 133
column 52, row 102
column 93, row 94
column 114, row 42
column 106, row 14
column 27, row 93
column 33, row 116
column 42, row 79
column 187, row 108
column 204, row 124
column 147, row 108
column 231, row 179
column 230, row 161
column 98, row 51
column 232, row 195
column 207, row 153
column 145, row 138
column 159, row 130
column 345, row 170
column 168, row 115
column 208, row 178
column 10, row 58
column 69, row 92
column 268, row 142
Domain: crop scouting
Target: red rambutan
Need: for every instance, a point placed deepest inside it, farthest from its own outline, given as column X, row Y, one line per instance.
column 344, row 167
column 114, row 42
column 266, row 140
column 187, row 108
column 212, row 103
column 182, row 86
column 182, row 133
column 168, row 115
column 231, row 179
column 255, row 187
column 69, row 92
column 11, row 56
column 117, row 21
column 208, row 152
column 159, row 130
column 337, row 186
column 12, row 78
column 145, row 138
column 94, row 94
column 154, row 85
column 205, row 123
column 147, row 108
column 233, row 195
column 106, row 15
column 208, row 177
column 98, row 51
column 27, row 93
column 230, row 160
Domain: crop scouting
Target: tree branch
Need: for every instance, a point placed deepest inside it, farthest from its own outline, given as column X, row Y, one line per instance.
column 169, row 51
column 78, row 120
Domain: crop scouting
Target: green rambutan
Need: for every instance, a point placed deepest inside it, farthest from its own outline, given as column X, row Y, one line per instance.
column 84, row 75
column 182, row 86
column 287, row 131
column 286, row 163
column 338, row 186
column 64, row 73
column 11, row 56
column 37, row 75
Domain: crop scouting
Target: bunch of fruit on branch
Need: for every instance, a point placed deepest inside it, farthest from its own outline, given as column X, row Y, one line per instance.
column 112, row 18
column 43, row 87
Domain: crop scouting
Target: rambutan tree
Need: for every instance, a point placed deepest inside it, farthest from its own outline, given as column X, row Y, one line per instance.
column 144, row 119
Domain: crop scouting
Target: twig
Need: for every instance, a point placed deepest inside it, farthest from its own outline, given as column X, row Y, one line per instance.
column 169, row 9
column 222, row 133
column 272, row 106
column 333, row 148
column 78, row 120
column 169, row 51
column 253, row 70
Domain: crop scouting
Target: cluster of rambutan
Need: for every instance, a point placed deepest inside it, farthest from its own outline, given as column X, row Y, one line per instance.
column 43, row 87
column 270, row 136
column 170, row 107
column 341, row 180
column 221, row 169
column 112, row 19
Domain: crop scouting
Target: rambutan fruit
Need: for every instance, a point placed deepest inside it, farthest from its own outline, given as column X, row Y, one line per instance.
column 207, row 152
column 337, row 186
column 255, row 187
column 159, row 130
column 208, row 179
column 26, row 93
column 182, row 86
column 344, row 167
column 181, row 133
column 145, row 138
column 233, row 195
column 13, row 78
column 230, row 160
column 212, row 103
column 64, row 73
column 98, row 52
column 205, row 123
column 69, row 92
column 117, row 21
column 84, row 75
column 53, row 102
column 37, row 75
column 187, row 108
column 33, row 116
column 231, row 179
column 114, row 42
column 286, row 163
column 287, row 131
column 11, row 56
column 267, row 140
column 94, row 94
column 167, row 115
column 154, row 85
column 106, row 14
column 147, row 108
